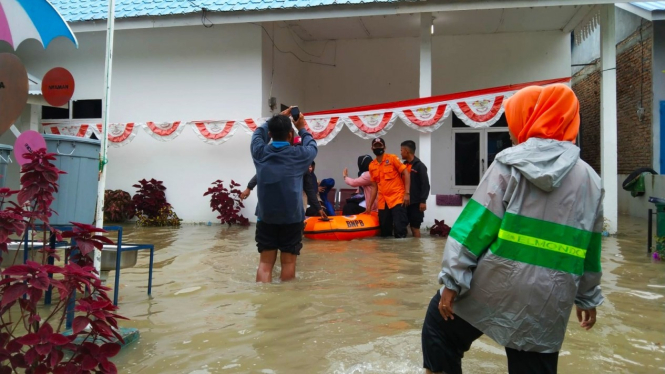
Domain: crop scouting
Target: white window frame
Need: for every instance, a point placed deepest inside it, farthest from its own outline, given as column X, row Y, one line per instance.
column 469, row 190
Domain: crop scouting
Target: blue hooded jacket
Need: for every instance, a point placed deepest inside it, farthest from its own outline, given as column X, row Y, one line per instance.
column 279, row 174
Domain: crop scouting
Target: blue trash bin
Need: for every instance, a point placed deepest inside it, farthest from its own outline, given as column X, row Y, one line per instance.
column 76, row 199
column 5, row 152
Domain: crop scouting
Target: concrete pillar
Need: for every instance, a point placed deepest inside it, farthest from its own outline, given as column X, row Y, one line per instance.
column 425, row 139
column 608, row 116
column 35, row 115
column 658, row 82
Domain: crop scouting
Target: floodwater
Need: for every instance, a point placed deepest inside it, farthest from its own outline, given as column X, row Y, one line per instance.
column 356, row 307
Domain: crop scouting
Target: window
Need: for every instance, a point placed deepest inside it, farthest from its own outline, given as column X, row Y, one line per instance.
column 81, row 109
column 475, row 150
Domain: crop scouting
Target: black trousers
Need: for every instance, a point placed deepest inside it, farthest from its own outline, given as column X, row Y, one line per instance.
column 445, row 342
column 352, row 208
column 393, row 221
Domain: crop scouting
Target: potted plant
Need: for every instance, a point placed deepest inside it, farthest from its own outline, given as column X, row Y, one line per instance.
column 118, row 206
column 227, row 203
column 152, row 209
column 31, row 338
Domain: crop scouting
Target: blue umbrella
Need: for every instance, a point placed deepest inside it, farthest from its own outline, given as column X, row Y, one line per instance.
column 32, row 19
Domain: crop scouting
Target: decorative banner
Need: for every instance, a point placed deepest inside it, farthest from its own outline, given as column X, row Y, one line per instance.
column 369, row 126
column 426, row 118
column 82, row 130
column 481, row 111
column 250, row 124
column 214, row 132
column 324, row 129
column 163, row 131
column 120, row 134
column 13, row 90
column 27, row 142
column 481, row 108
column 58, row 86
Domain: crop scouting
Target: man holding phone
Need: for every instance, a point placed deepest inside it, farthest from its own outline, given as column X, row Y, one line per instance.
column 279, row 174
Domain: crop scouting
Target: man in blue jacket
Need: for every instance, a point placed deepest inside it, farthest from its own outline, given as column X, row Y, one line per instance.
column 279, row 173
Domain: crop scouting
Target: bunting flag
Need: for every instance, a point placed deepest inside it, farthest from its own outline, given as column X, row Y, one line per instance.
column 214, row 132
column 324, row 129
column 369, row 126
column 82, row 130
column 120, row 134
column 476, row 109
column 482, row 111
column 163, row 131
column 425, row 118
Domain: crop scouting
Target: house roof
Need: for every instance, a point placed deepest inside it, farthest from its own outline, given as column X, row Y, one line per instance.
column 651, row 5
column 88, row 10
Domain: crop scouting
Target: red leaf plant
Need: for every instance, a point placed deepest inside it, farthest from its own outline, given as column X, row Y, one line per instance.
column 439, row 229
column 33, row 342
column 227, row 203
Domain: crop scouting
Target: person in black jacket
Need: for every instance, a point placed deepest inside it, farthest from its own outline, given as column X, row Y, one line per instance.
column 309, row 186
column 419, row 186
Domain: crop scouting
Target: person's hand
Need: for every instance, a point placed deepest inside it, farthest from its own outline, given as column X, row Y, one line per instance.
column 368, row 211
column 446, row 304
column 245, row 194
column 322, row 189
column 323, row 214
column 423, row 207
column 286, row 112
column 407, row 199
column 587, row 317
column 345, row 173
column 301, row 123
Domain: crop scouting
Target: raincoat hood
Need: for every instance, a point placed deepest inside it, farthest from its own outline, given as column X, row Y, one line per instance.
column 544, row 162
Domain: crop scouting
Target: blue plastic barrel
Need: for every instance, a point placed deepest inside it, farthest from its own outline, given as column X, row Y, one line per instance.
column 5, row 151
column 76, row 199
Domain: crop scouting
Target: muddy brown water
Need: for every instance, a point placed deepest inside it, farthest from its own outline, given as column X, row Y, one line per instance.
column 356, row 307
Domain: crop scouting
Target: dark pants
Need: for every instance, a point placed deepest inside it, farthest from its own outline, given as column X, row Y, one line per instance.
column 393, row 220
column 445, row 342
column 352, row 208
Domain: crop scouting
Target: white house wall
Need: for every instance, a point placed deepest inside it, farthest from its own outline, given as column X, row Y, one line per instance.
column 170, row 74
column 187, row 73
column 371, row 71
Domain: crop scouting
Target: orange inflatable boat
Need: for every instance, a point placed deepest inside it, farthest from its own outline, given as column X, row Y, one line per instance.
column 342, row 227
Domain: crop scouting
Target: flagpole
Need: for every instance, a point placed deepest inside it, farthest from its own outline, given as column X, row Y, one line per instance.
column 110, row 27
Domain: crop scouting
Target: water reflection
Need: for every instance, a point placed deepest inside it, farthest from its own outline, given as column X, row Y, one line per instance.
column 355, row 308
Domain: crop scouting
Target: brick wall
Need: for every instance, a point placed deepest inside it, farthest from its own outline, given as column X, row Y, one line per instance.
column 634, row 136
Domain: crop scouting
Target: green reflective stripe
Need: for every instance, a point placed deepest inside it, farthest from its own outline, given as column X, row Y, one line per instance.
column 542, row 244
column 592, row 260
column 521, row 252
column 550, row 231
column 476, row 228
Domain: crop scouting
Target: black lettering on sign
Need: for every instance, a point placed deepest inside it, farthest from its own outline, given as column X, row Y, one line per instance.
column 355, row 223
column 2, row 84
column 59, row 87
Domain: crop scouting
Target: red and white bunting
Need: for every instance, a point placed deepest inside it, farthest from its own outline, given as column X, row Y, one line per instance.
column 214, row 132
column 81, row 130
column 480, row 111
column 120, row 134
column 163, row 131
column 324, row 129
column 369, row 126
column 250, row 124
column 425, row 118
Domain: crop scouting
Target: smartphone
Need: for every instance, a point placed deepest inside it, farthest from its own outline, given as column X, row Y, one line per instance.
column 295, row 113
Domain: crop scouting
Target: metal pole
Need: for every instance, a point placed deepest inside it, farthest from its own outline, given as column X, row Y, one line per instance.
column 99, row 222
column 649, row 230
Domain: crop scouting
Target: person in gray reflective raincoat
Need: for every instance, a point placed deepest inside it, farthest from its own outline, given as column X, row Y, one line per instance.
column 525, row 248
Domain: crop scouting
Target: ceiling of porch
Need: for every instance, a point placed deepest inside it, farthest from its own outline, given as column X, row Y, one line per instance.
column 445, row 23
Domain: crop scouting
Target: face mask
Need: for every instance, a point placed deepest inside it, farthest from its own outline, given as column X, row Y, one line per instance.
column 378, row 151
